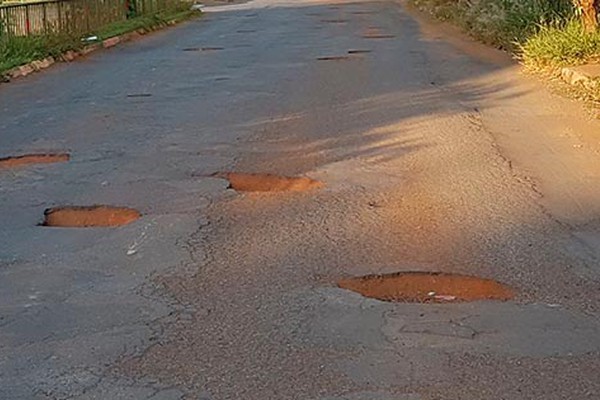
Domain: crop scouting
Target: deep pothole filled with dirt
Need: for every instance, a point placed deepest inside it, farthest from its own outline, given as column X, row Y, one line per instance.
column 89, row 216
column 427, row 287
column 268, row 183
column 378, row 36
column 28, row 159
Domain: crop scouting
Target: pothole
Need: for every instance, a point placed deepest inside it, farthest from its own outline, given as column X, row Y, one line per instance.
column 377, row 36
column 268, row 183
column 134, row 95
column 427, row 287
column 246, row 30
column 358, row 51
column 27, row 159
column 334, row 21
column 89, row 216
column 333, row 58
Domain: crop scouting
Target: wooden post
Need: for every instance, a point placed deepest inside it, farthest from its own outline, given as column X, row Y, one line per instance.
column 45, row 18
column 589, row 14
column 59, row 12
column 27, row 23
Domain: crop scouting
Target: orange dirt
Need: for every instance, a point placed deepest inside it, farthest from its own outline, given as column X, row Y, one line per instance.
column 419, row 287
column 374, row 32
column 18, row 161
column 89, row 216
column 268, row 183
column 377, row 36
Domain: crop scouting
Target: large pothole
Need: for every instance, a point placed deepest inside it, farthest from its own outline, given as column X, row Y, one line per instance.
column 89, row 216
column 423, row 287
column 268, row 182
column 377, row 36
column 28, row 159
column 374, row 32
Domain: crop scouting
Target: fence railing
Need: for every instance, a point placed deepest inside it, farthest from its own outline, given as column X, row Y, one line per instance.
column 76, row 17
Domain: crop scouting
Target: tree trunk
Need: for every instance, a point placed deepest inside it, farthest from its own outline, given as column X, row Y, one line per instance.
column 589, row 14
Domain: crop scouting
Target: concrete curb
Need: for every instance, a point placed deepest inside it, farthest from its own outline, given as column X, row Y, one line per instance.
column 70, row 55
column 587, row 76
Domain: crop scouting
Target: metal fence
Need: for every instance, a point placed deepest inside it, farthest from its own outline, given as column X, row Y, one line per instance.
column 76, row 17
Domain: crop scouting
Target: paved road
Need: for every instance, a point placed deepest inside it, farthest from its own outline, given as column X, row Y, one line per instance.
column 436, row 153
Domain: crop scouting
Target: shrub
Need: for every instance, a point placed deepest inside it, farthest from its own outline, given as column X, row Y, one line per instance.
column 15, row 51
column 559, row 45
column 503, row 23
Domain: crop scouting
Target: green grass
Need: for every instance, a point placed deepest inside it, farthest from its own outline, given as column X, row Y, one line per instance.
column 16, row 51
column 146, row 22
column 506, row 24
column 557, row 46
column 544, row 35
column 22, row 50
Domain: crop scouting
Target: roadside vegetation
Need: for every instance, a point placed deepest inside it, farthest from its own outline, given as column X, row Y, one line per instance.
column 560, row 45
column 16, row 51
column 20, row 50
column 148, row 22
column 543, row 34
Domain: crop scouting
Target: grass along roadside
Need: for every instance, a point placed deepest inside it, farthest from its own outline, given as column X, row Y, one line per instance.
column 501, row 23
column 540, row 33
column 557, row 46
column 149, row 22
column 17, row 51
column 544, row 35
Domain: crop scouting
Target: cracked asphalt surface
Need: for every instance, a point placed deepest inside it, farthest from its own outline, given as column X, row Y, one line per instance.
column 436, row 153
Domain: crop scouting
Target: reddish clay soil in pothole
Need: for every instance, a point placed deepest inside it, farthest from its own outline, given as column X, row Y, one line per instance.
column 427, row 287
column 268, row 183
column 89, row 216
column 374, row 32
column 27, row 159
column 377, row 36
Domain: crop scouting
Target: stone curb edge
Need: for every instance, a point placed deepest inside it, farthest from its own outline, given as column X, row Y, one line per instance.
column 587, row 76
